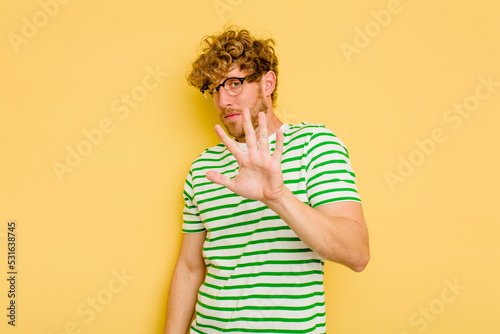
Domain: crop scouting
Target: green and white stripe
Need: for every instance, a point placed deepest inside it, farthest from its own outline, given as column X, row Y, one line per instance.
column 261, row 278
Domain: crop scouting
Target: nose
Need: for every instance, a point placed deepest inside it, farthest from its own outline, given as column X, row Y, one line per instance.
column 225, row 100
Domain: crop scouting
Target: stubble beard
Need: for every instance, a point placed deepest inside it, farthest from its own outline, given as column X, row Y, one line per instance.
column 236, row 129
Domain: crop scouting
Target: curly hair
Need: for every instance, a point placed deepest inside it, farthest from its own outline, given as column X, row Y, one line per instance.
column 233, row 48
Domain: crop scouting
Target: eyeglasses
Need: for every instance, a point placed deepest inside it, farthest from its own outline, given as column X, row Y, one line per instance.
column 233, row 86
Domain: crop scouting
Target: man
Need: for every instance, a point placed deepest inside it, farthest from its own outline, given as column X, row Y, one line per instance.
column 263, row 211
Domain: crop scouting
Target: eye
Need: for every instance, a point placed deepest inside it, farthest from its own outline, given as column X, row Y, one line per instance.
column 234, row 83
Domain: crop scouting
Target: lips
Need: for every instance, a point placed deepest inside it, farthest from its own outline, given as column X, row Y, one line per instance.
column 231, row 115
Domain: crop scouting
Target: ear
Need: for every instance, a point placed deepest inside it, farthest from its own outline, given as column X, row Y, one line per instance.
column 269, row 83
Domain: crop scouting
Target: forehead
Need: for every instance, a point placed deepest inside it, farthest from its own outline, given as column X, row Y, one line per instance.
column 235, row 72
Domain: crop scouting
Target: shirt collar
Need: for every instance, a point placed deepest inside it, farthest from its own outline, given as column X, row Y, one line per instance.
column 272, row 137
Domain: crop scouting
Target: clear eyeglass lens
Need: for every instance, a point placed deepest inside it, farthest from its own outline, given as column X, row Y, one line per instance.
column 233, row 87
column 209, row 94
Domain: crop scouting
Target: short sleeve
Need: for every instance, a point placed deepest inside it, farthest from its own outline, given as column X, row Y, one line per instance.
column 329, row 176
column 191, row 217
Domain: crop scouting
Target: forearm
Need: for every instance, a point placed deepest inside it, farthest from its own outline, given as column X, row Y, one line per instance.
column 335, row 238
column 182, row 299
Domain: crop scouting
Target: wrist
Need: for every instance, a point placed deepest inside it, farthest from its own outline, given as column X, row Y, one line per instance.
column 279, row 203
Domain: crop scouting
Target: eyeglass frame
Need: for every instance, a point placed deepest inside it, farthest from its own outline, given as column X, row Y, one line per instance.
column 217, row 88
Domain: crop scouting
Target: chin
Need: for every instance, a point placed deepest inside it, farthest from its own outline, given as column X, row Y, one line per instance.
column 234, row 130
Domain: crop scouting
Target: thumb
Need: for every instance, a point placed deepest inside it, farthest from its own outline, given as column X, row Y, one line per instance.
column 218, row 178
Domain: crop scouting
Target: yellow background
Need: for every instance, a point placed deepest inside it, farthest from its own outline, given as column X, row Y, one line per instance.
column 119, row 209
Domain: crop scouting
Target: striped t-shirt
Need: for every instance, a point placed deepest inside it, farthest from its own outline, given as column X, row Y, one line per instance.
column 261, row 278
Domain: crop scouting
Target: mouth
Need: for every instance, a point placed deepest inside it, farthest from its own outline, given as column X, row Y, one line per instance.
column 232, row 116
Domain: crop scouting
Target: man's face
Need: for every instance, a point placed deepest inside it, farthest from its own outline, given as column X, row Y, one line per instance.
column 230, row 108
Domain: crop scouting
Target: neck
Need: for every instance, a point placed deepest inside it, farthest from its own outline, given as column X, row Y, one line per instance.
column 273, row 124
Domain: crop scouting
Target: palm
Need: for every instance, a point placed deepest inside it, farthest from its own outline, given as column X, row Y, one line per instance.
column 259, row 176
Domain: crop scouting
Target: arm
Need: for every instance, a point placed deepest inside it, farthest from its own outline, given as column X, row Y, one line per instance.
column 335, row 231
column 188, row 275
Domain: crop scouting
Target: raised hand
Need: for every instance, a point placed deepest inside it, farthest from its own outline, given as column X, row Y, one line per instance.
column 259, row 177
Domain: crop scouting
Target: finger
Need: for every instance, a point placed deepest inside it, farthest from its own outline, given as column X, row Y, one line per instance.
column 228, row 142
column 249, row 130
column 218, row 178
column 263, row 136
column 278, row 150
